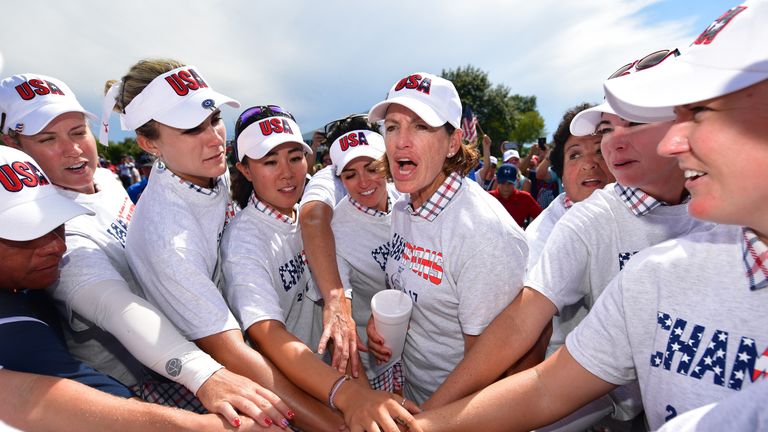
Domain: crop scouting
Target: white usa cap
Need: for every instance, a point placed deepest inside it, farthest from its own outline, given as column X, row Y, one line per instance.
column 179, row 98
column 727, row 56
column 256, row 136
column 585, row 122
column 30, row 206
column 30, row 101
column 355, row 144
column 431, row 97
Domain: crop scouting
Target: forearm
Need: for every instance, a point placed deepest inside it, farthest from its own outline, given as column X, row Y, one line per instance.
column 320, row 248
column 522, row 402
column 230, row 349
column 542, row 172
column 37, row 402
column 145, row 332
column 506, row 340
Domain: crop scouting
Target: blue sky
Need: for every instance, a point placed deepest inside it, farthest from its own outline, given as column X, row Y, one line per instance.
column 323, row 60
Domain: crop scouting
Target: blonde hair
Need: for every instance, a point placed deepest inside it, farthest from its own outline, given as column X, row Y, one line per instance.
column 138, row 77
column 463, row 162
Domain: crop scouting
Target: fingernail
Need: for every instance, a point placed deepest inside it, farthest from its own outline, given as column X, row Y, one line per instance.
column 236, row 421
column 290, row 414
column 285, row 423
column 268, row 421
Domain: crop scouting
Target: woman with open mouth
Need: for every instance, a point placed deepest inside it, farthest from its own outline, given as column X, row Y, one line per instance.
column 267, row 279
column 448, row 234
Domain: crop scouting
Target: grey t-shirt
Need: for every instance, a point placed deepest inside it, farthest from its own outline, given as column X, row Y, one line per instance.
column 681, row 319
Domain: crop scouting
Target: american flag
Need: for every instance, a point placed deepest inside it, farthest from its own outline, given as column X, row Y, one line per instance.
column 468, row 124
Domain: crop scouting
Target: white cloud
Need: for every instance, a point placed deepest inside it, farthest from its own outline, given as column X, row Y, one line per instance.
column 325, row 59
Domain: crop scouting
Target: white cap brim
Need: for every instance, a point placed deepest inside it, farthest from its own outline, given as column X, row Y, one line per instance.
column 33, row 219
column 585, row 122
column 651, row 96
column 424, row 111
column 189, row 112
column 36, row 120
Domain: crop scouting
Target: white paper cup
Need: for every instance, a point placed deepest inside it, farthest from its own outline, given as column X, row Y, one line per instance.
column 391, row 314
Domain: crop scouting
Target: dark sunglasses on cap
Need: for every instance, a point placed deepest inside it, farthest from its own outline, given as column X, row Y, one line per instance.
column 646, row 62
column 254, row 114
column 330, row 127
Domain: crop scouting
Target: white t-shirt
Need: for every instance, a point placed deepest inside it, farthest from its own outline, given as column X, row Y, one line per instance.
column 594, row 240
column 266, row 274
column 173, row 250
column 96, row 290
column 682, row 320
column 449, row 266
column 537, row 234
column 325, row 187
column 362, row 248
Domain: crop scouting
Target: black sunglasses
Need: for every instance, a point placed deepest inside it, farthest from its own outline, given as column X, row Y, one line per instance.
column 330, row 127
column 646, row 62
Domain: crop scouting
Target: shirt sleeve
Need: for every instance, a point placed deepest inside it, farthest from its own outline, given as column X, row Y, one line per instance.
column 248, row 284
column 600, row 343
column 324, row 187
column 559, row 274
column 31, row 346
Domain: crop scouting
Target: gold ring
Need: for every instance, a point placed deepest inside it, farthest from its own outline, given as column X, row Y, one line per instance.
column 402, row 404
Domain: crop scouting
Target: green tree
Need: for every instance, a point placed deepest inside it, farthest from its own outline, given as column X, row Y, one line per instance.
column 502, row 115
column 115, row 150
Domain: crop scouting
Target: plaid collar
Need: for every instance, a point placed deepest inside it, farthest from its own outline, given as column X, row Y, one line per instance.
column 567, row 203
column 755, row 260
column 439, row 200
column 269, row 210
column 199, row 189
column 371, row 211
column 639, row 202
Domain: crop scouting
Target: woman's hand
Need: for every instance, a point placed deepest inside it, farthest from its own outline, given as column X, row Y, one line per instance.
column 376, row 343
column 374, row 411
column 226, row 393
column 339, row 325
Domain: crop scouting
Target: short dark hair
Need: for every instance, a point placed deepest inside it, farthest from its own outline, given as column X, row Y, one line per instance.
column 562, row 134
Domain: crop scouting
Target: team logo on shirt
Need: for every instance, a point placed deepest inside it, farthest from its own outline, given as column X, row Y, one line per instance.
column 710, row 360
column 624, row 258
column 380, row 255
column 119, row 227
column 291, row 271
column 425, row 263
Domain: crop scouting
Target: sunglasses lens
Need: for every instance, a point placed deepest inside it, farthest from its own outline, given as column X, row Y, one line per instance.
column 652, row 59
column 622, row 70
column 249, row 113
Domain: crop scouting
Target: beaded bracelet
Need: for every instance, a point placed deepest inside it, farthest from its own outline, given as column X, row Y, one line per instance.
column 335, row 388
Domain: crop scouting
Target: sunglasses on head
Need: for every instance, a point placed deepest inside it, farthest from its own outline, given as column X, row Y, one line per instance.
column 330, row 127
column 260, row 112
column 646, row 62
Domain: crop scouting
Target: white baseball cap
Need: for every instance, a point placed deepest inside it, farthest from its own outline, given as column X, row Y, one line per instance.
column 256, row 134
column 179, row 98
column 30, row 206
column 494, row 160
column 728, row 56
column 509, row 154
column 585, row 122
column 355, row 144
column 30, row 101
column 431, row 97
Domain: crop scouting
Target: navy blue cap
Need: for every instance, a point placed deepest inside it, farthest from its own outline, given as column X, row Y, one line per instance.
column 507, row 173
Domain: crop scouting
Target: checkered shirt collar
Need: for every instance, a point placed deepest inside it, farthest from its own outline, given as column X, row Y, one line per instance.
column 755, row 260
column 199, row 189
column 269, row 210
column 439, row 200
column 639, row 202
column 567, row 203
column 371, row 211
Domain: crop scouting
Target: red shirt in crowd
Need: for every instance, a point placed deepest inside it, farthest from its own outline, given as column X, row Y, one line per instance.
column 519, row 204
